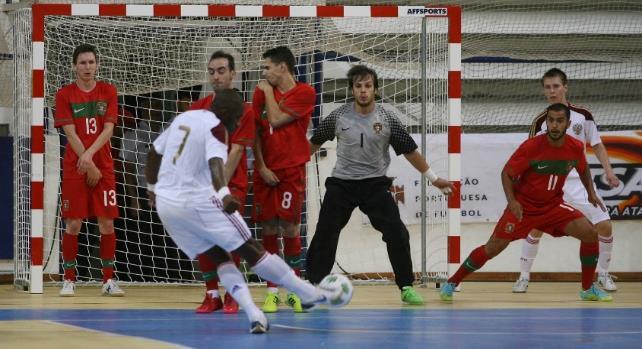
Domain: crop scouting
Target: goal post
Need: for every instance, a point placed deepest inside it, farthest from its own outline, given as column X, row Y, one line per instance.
column 156, row 52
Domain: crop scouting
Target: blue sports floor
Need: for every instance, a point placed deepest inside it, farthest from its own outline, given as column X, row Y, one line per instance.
column 351, row 328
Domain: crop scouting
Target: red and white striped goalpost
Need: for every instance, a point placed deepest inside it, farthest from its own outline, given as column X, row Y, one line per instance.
column 40, row 11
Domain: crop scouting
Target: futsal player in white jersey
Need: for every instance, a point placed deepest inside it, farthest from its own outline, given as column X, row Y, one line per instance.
column 187, row 185
column 583, row 128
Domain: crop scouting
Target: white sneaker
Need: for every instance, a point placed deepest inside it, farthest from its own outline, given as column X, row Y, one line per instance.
column 605, row 280
column 68, row 289
column 110, row 288
column 521, row 285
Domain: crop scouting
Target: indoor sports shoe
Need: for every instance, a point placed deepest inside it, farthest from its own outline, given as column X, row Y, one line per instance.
column 259, row 326
column 110, row 288
column 595, row 294
column 210, row 304
column 271, row 304
column 229, row 304
column 410, row 296
column 605, row 280
column 521, row 285
column 446, row 291
column 295, row 302
column 68, row 289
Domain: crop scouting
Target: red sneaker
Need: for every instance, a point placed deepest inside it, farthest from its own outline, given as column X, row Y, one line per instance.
column 210, row 304
column 230, row 306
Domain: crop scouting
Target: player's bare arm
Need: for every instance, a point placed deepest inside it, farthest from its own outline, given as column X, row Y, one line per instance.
column 151, row 173
column 233, row 160
column 85, row 160
column 587, row 181
column 601, row 154
column 259, row 164
column 418, row 162
column 230, row 202
column 513, row 205
column 276, row 117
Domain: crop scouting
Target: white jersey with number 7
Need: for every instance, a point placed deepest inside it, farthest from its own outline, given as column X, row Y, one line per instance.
column 191, row 140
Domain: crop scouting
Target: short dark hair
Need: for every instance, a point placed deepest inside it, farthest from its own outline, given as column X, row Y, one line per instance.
column 555, row 72
column 361, row 72
column 228, row 106
column 559, row 107
column 221, row 54
column 84, row 48
column 281, row 54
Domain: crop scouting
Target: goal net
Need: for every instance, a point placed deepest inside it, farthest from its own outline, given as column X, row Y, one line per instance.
column 157, row 57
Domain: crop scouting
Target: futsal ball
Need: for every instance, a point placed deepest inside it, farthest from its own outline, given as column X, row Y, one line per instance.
column 339, row 287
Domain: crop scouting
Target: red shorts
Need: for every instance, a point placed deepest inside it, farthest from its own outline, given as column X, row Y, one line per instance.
column 551, row 222
column 284, row 201
column 81, row 201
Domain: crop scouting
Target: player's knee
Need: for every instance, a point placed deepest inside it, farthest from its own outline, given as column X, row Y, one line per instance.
column 290, row 229
column 604, row 228
column 106, row 226
column 251, row 251
column 536, row 233
column 495, row 247
column 73, row 226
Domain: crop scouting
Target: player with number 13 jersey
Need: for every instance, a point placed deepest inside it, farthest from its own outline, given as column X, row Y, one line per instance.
column 88, row 112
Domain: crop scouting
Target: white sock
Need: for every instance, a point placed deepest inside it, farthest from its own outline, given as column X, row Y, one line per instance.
column 273, row 290
column 273, row 268
column 604, row 259
column 213, row 293
column 235, row 285
column 530, row 245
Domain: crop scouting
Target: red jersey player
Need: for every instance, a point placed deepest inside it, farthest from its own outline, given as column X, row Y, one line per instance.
column 87, row 111
column 221, row 72
column 533, row 179
column 282, row 150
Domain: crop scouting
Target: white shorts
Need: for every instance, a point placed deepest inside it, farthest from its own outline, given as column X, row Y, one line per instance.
column 198, row 225
column 576, row 196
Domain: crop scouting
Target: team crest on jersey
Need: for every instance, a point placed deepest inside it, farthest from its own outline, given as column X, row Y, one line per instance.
column 510, row 228
column 65, row 205
column 577, row 129
column 101, row 108
column 377, row 127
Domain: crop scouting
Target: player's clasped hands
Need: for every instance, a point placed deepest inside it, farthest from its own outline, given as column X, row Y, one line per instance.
column 93, row 176
column 85, row 162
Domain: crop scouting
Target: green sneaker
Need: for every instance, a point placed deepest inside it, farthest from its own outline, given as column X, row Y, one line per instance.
column 595, row 294
column 271, row 304
column 410, row 296
column 295, row 302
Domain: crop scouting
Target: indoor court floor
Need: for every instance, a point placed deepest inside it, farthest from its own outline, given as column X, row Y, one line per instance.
column 483, row 315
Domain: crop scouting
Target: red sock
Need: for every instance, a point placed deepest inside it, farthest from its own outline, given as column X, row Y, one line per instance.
column 107, row 254
column 208, row 268
column 589, row 253
column 292, row 253
column 475, row 260
column 272, row 246
column 69, row 253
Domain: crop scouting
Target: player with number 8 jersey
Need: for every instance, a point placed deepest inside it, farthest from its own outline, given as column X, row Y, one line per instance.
column 87, row 111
